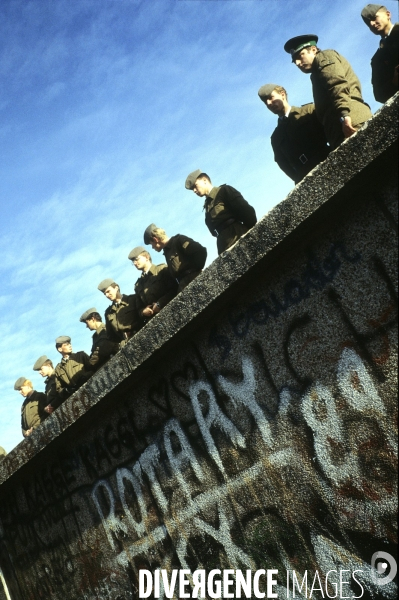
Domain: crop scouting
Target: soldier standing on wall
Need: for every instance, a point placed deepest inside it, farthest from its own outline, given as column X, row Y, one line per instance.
column 46, row 369
column 32, row 410
column 121, row 318
column 155, row 288
column 299, row 142
column 102, row 348
column 385, row 62
column 227, row 215
column 185, row 257
column 336, row 89
column 72, row 372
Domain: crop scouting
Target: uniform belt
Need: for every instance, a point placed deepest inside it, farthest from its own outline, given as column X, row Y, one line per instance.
column 219, row 228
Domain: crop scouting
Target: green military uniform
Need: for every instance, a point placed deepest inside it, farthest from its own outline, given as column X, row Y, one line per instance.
column 299, row 142
column 32, row 411
column 185, row 259
column 102, row 348
column 70, row 374
column 227, row 215
column 337, row 93
column 121, row 318
column 157, row 285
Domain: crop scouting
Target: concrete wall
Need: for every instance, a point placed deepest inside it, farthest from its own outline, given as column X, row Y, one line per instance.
column 250, row 425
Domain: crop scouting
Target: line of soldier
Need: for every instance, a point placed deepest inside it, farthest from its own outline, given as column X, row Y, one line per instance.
column 228, row 217
column 305, row 135
column 303, row 138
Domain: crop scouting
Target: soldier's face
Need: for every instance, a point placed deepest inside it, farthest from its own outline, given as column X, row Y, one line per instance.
column 201, row 187
column 141, row 262
column 91, row 324
column 156, row 244
column 276, row 103
column 381, row 23
column 304, row 59
column 111, row 293
column 45, row 370
column 25, row 390
column 65, row 348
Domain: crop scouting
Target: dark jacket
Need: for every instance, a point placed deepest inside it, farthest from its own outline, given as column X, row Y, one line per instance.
column 70, row 374
column 337, row 93
column 121, row 318
column 228, row 215
column 383, row 66
column 185, row 259
column 102, row 348
column 299, row 142
column 32, row 411
column 157, row 285
column 50, row 389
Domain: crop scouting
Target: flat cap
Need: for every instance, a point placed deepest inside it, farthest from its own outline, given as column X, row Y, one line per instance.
column 87, row 314
column 19, row 383
column 148, row 233
column 105, row 283
column 136, row 252
column 192, row 178
column 266, row 90
column 62, row 339
column 40, row 362
column 296, row 44
column 368, row 13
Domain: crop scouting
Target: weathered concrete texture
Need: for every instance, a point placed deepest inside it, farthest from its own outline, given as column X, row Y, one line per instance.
column 249, row 425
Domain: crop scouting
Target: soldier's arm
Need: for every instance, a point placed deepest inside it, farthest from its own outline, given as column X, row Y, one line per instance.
column 282, row 162
column 243, row 211
column 195, row 252
column 103, row 352
column 331, row 74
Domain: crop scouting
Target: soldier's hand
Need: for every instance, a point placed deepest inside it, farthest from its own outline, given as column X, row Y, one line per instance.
column 347, row 127
column 49, row 409
column 155, row 308
column 147, row 311
column 28, row 431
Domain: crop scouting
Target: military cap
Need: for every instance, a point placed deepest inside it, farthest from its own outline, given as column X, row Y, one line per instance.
column 192, row 178
column 40, row 362
column 296, row 44
column 136, row 252
column 62, row 339
column 19, row 383
column 105, row 283
column 368, row 13
column 148, row 233
column 87, row 314
column 266, row 90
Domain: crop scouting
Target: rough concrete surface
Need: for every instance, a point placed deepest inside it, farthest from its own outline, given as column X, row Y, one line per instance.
column 250, row 425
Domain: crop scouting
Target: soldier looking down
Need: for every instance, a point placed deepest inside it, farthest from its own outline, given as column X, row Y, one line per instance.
column 72, row 372
column 32, row 410
column 384, row 64
column 155, row 287
column 299, row 142
column 121, row 318
column 46, row 369
column 102, row 348
column 227, row 215
column 336, row 89
column 185, row 257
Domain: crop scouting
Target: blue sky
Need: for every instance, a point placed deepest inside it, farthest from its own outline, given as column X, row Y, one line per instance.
column 106, row 106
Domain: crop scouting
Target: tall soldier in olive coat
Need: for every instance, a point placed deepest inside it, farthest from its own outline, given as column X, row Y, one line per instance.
column 155, row 288
column 121, row 317
column 336, row 89
column 72, row 372
column 32, row 410
column 102, row 348
column 185, row 257
column 227, row 215
column 46, row 369
column 385, row 62
column 299, row 142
